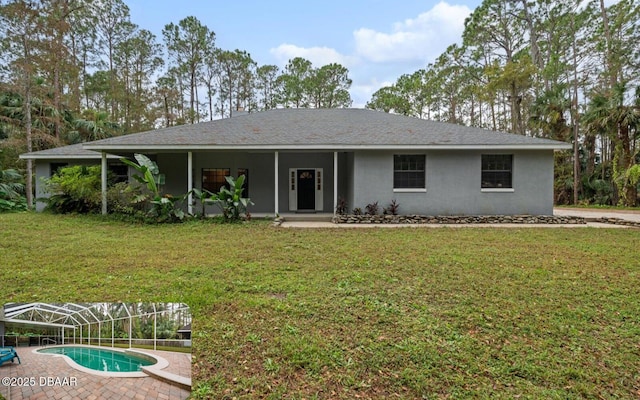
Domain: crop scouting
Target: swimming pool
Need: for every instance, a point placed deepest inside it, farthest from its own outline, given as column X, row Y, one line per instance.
column 103, row 360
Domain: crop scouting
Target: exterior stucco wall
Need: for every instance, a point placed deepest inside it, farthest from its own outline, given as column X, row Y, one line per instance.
column 174, row 168
column 344, row 177
column 453, row 184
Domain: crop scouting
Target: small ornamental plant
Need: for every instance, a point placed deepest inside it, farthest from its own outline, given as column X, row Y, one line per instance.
column 392, row 208
column 372, row 208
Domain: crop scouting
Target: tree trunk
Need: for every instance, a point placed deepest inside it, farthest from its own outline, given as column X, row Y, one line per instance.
column 192, row 83
column 27, row 120
column 533, row 37
column 613, row 77
column 575, row 117
column 625, row 162
column 515, row 108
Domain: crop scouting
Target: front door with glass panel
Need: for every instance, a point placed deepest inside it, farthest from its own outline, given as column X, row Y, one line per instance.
column 305, row 189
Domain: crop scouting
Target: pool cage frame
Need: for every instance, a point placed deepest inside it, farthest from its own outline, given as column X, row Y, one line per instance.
column 76, row 316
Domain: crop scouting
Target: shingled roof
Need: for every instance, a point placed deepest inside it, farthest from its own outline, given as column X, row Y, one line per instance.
column 320, row 129
column 305, row 129
column 74, row 151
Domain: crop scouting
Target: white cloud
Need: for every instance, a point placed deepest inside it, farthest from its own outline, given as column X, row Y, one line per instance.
column 361, row 92
column 423, row 38
column 318, row 56
column 380, row 57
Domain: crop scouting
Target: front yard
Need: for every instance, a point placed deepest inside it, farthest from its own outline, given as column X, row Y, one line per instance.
column 375, row 313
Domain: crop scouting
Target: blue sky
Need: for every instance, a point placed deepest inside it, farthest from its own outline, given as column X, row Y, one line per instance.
column 376, row 40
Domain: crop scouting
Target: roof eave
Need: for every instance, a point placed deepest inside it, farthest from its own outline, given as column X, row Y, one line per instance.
column 97, row 156
column 329, row 147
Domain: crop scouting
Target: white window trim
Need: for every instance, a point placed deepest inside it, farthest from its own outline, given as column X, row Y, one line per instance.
column 405, row 190
column 497, row 190
column 500, row 190
column 413, row 190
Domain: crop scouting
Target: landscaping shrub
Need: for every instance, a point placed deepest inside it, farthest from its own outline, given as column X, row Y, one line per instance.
column 75, row 189
column 121, row 200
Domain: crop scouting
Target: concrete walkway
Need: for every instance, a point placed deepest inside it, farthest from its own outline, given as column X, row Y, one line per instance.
column 588, row 214
column 44, row 376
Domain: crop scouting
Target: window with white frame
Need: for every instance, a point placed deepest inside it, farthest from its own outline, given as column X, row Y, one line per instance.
column 497, row 171
column 409, row 171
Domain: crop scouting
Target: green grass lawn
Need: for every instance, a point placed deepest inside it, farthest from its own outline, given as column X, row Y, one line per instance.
column 374, row 313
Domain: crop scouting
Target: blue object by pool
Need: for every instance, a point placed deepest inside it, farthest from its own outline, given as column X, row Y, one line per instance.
column 8, row 354
column 101, row 359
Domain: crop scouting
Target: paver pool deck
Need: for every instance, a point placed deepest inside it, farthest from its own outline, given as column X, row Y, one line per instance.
column 88, row 386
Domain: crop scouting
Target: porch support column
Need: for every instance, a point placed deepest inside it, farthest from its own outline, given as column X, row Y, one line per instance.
column 103, row 179
column 275, row 185
column 335, row 182
column 190, row 182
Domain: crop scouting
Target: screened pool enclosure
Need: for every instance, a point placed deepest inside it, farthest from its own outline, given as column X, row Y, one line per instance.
column 147, row 325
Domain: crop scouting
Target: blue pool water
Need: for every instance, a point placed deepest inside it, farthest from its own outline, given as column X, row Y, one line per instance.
column 101, row 359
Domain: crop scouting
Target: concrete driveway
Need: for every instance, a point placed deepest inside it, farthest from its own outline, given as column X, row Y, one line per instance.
column 629, row 215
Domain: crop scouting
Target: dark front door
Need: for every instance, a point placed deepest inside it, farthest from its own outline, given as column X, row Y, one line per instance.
column 306, row 189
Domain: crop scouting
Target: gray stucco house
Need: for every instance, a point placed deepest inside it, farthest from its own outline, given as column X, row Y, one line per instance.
column 304, row 160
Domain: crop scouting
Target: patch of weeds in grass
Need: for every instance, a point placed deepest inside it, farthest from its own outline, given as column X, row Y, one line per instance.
column 208, row 388
column 254, row 338
column 271, row 366
column 201, row 391
column 291, row 330
column 376, row 305
column 305, row 354
column 228, row 331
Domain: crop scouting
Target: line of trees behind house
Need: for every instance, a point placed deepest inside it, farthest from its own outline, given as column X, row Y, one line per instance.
column 561, row 69
column 80, row 70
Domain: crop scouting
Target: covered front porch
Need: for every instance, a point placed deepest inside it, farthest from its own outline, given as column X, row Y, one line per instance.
column 295, row 183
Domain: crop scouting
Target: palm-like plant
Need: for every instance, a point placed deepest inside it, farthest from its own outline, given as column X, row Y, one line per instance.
column 10, row 107
column 230, row 199
column 548, row 115
column 11, row 185
column 204, row 197
column 44, row 117
column 549, row 111
column 163, row 207
column 11, row 190
column 609, row 115
column 95, row 126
